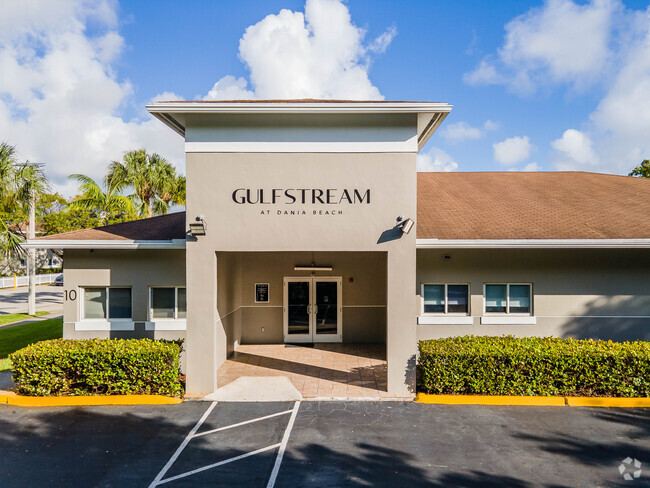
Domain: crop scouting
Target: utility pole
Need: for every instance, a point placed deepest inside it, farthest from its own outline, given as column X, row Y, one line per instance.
column 31, row 255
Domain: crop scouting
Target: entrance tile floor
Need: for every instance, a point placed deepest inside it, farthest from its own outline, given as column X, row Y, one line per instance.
column 321, row 371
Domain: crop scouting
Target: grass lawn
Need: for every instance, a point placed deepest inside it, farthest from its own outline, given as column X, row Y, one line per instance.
column 15, row 338
column 5, row 364
column 15, row 317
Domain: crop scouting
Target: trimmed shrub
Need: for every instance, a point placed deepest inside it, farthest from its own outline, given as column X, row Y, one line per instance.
column 98, row 367
column 534, row 366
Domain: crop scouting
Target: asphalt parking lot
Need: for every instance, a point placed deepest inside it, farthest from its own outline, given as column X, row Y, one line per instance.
column 333, row 444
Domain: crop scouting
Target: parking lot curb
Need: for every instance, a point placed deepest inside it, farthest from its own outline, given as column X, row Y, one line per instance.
column 10, row 398
column 608, row 402
column 540, row 401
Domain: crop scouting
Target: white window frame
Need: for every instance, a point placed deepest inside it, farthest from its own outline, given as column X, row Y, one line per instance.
column 445, row 313
column 507, row 312
column 105, row 323
column 108, row 294
column 175, row 318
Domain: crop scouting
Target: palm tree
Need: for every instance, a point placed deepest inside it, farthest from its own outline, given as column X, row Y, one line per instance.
column 151, row 177
column 107, row 203
column 173, row 191
column 30, row 184
column 9, row 241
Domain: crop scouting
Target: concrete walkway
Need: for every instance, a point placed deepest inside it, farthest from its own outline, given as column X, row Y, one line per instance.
column 319, row 371
column 30, row 320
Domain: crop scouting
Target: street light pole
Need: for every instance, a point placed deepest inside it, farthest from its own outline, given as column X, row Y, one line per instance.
column 31, row 256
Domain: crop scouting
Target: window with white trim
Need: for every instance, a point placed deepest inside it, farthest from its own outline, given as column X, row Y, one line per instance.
column 445, row 298
column 508, row 298
column 167, row 302
column 107, row 303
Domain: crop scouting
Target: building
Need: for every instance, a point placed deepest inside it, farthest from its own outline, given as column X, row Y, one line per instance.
column 47, row 260
column 307, row 222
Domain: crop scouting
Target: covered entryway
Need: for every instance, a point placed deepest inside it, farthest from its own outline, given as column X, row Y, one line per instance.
column 318, row 371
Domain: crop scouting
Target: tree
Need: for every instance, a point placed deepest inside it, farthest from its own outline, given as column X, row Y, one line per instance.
column 107, row 204
column 9, row 240
column 153, row 180
column 642, row 170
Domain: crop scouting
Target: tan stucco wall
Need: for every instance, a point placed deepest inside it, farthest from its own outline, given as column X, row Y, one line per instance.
column 138, row 269
column 211, row 180
column 582, row 293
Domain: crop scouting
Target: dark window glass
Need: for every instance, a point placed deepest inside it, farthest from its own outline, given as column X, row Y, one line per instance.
column 162, row 303
column 457, row 298
column 519, row 298
column 434, row 298
column 182, row 304
column 495, row 298
column 119, row 303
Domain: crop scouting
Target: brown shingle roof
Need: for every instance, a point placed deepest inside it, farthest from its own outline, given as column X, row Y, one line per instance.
column 505, row 205
column 162, row 228
column 551, row 205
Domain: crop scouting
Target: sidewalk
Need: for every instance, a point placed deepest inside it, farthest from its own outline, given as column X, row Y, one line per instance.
column 55, row 315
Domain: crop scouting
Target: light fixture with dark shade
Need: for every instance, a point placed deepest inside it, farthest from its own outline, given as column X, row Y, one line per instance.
column 405, row 225
column 199, row 227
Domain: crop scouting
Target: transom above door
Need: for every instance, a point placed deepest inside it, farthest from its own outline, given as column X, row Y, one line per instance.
column 312, row 309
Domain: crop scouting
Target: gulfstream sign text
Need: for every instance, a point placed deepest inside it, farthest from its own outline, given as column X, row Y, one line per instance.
column 289, row 196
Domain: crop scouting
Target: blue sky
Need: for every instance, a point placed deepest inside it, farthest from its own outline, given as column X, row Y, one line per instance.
column 535, row 85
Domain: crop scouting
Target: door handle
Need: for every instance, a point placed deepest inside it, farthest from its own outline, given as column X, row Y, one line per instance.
column 316, row 309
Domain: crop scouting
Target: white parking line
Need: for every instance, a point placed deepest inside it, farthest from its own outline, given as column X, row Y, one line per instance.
column 242, row 423
column 187, row 439
column 283, row 446
column 220, row 463
column 193, row 433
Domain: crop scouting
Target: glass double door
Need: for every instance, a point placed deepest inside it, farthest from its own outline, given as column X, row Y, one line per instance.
column 312, row 309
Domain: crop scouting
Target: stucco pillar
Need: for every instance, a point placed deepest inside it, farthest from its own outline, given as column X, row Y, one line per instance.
column 201, row 334
column 401, row 334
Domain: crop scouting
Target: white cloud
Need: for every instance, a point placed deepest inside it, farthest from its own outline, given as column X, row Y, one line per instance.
column 60, row 96
column 559, row 42
column 318, row 54
column 513, row 150
column 462, row 131
column 574, row 147
column 532, row 167
column 576, row 45
column 435, row 160
column 230, row 88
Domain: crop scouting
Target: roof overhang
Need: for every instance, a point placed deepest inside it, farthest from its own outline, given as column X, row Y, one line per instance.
column 103, row 244
column 429, row 114
column 531, row 243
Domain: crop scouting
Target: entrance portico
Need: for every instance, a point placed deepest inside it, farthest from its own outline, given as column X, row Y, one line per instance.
column 307, row 199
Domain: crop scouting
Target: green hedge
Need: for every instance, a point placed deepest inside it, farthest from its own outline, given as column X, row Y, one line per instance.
column 534, row 366
column 98, row 367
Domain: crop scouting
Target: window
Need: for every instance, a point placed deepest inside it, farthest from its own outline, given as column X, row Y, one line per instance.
column 107, row 303
column 508, row 298
column 168, row 303
column 446, row 298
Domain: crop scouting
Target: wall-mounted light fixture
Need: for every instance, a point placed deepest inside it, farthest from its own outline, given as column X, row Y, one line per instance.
column 405, row 224
column 199, row 227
